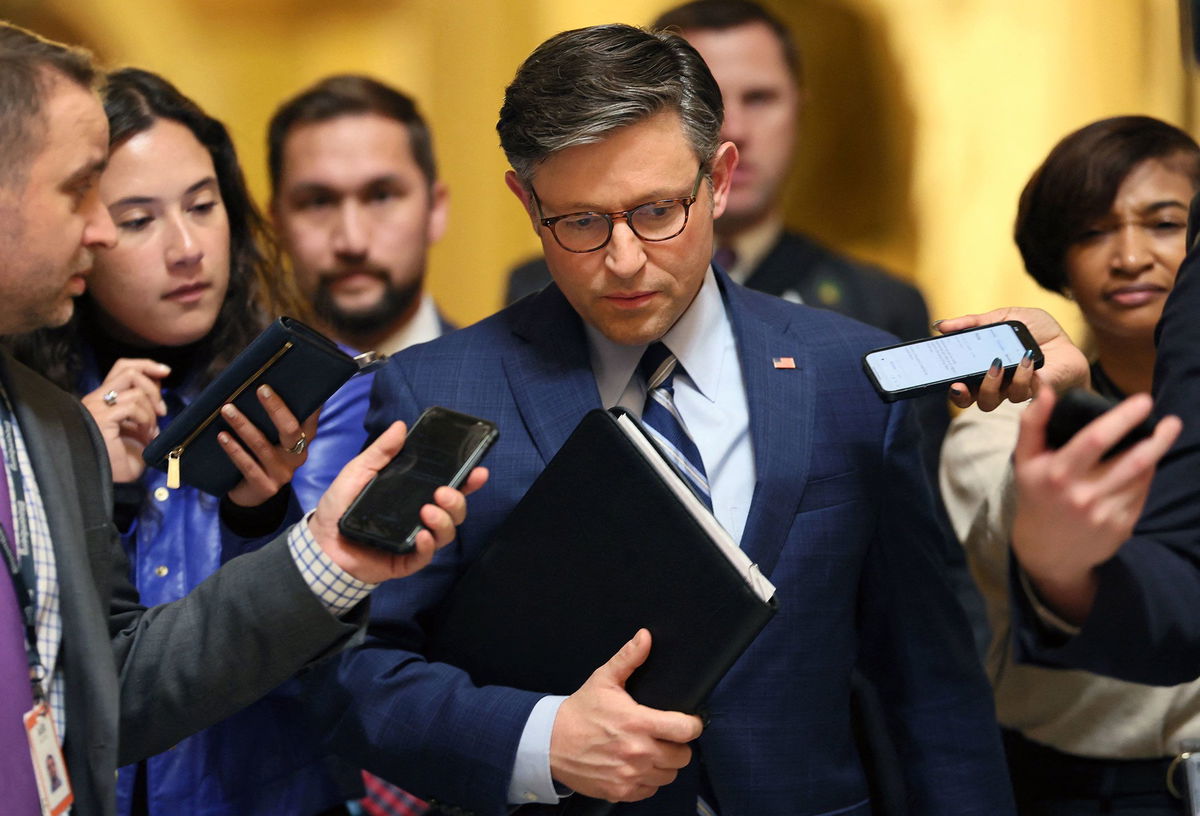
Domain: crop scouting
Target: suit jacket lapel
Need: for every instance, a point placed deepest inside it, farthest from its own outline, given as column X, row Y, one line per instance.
column 551, row 379
column 553, row 386
column 45, row 441
column 782, row 404
column 86, row 651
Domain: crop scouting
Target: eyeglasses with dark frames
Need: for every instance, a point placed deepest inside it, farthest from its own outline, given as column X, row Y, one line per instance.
column 589, row 231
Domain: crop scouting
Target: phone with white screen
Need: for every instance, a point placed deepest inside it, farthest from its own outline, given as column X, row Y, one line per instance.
column 932, row 364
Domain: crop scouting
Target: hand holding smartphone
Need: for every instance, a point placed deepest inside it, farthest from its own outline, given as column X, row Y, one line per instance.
column 1076, row 408
column 932, row 364
column 441, row 449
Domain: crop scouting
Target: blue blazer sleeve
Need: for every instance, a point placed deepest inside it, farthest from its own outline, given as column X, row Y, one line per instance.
column 424, row 726
column 916, row 647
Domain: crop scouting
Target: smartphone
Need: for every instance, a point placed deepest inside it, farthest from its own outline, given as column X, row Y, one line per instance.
column 933, row 364
column 1076, row 408
column 441, row 449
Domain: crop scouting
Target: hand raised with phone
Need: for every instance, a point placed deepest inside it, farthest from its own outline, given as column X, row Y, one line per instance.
column 439, row 518
column 1065, row 366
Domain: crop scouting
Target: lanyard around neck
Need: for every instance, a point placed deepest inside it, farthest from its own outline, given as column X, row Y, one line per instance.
column 19, row 560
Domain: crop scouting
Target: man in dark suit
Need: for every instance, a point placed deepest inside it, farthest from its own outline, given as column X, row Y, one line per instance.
column 76, row 648
column 613, row 136
column 758, row 67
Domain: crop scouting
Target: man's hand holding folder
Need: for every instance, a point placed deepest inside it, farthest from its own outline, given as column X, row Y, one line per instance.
column 606, row 745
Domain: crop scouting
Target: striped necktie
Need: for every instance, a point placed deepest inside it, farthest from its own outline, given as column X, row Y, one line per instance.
column 661, row 418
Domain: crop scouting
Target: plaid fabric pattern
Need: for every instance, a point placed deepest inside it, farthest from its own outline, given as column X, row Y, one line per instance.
column 385, row 799
column 49, row 618
column 338, row 590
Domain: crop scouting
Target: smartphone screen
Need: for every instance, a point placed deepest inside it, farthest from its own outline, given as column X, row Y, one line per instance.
column 441, row 449
column 946, row 359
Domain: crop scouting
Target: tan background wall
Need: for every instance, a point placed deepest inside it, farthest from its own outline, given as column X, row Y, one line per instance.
column 925, row 118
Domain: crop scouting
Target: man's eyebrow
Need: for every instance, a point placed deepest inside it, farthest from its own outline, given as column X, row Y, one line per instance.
column 662, row 194
column 320, row 186
column 89, row 170
column 383, row 178
column 303, row 187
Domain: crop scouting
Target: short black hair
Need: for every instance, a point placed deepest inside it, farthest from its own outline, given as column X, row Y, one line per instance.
column 1077, row 182
column 579, row 86
column 343, row 95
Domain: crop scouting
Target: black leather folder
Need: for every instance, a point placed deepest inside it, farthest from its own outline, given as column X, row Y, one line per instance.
column 304, row 368
column 601, row 545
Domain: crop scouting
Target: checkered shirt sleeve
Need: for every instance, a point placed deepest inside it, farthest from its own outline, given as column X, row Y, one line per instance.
column 337, row 589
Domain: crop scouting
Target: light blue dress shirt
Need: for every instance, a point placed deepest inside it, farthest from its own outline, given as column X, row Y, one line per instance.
column 711, row 397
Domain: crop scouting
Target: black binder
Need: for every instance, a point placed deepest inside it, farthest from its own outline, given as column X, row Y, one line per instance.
column 304, row 368
column 602, row 544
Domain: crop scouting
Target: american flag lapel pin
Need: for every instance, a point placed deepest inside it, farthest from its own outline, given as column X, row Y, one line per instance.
column 783, row 362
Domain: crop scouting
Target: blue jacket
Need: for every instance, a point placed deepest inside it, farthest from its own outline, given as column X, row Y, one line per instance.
column 264, row 760
column 841, row 521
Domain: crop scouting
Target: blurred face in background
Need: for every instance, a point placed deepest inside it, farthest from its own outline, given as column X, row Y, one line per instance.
column 164, row 281
column 357, row 216
column 1123, row 266
column 762, row 104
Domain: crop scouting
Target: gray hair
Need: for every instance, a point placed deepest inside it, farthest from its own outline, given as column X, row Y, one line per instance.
column 29, row 65
column 579, row 86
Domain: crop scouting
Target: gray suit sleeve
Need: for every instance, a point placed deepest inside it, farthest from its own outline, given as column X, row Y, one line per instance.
column 185, row 665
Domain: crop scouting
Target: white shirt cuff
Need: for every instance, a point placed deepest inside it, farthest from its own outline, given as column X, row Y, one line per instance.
column 1048, row 618
column 531, row 781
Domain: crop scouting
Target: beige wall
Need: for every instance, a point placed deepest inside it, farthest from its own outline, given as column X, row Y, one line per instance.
column 925, row 119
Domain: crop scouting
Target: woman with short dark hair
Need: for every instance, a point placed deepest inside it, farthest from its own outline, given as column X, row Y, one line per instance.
column 1103, row 222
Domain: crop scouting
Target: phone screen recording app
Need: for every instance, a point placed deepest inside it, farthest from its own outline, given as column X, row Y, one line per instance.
column 945, row 358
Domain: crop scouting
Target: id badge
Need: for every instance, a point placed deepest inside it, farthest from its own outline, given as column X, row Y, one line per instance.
column 54, row 788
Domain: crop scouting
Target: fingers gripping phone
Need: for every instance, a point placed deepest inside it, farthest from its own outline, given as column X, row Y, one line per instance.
column 441, row 449
column 1076, row 408
column 932, row 364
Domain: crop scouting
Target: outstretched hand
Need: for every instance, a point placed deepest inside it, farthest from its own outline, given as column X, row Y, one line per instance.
column 1075, row 510
column 1065, row 366
column 371, row 564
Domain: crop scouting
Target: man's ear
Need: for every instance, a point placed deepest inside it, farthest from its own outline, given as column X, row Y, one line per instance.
column 722, row 176
column 439, row 212
column 523, row 195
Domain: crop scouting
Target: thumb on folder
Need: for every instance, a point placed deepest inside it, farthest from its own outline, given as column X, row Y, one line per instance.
column 606, row 745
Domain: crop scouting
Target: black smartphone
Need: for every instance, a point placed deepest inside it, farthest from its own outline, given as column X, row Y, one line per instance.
column 933, row 364
column 441, row 449
column 1076, row 408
